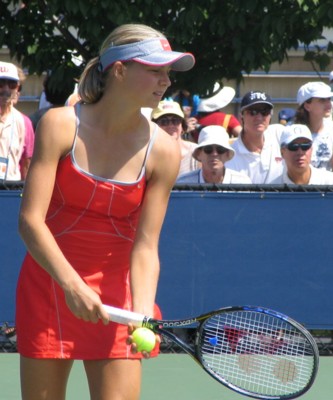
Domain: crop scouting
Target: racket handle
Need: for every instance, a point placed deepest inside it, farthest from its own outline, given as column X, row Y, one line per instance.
column 124, row 317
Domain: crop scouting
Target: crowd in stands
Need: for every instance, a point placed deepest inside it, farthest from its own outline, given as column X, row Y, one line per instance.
column 215, row 147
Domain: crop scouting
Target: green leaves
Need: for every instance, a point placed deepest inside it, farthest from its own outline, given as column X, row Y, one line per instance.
column 227, row 37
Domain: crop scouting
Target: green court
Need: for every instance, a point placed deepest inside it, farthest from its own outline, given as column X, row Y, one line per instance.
column 170, row 376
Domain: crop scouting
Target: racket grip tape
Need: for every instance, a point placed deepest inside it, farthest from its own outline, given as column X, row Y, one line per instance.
column 124, row 317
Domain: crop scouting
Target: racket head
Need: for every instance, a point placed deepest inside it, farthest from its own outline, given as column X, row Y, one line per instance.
column 257, row 352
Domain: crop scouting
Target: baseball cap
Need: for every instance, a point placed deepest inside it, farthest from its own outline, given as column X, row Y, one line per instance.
column 213, row 135
column 313, row 89
column 293, row 132
column 8, row 71
column 220, row 99
column 155, row 51
column 167, row 107
column 255, row 97
column 287, row 114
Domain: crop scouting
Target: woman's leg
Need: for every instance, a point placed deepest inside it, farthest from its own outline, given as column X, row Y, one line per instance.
column 118, row 379
column 44, row 379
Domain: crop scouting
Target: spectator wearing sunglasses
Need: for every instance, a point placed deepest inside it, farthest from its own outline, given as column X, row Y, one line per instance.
column 314, row 111
column 16, row 131
column 296, row 149
column 170, row 117
column 257, row 149
column 213, row 151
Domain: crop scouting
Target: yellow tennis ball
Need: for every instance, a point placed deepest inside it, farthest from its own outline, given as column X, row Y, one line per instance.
column 144, row 339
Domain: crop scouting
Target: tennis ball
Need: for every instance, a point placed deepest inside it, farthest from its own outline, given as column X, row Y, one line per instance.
column 144, row 339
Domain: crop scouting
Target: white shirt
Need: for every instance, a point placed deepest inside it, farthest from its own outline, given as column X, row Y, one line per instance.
column 263, row 167
column 318, row 176
column 322, row 146
column 230, row 176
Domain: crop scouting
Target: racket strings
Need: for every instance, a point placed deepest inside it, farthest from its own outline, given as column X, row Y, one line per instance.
column 259, row 353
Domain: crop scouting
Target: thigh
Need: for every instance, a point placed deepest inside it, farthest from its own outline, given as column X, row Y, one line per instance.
column 116, row 379
column 44, row 379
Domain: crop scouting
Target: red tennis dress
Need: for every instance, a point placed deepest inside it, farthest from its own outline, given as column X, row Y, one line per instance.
column 94, row 222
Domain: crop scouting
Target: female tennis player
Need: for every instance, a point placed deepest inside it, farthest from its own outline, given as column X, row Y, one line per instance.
column 91, row 214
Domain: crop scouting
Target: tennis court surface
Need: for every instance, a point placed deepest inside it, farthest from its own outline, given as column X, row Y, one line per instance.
column 170, row 376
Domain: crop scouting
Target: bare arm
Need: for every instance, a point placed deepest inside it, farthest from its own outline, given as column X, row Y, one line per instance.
column 164, row 166
column 53, row 141
column 24, row 167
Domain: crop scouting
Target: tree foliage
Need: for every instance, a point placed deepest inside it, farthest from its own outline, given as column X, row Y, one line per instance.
column 227, row 37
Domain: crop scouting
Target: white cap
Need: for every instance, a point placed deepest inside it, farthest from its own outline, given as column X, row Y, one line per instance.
column 220, row 99
column 313, row 89
column 293, row 132
column 213, row 135
column 8, row 71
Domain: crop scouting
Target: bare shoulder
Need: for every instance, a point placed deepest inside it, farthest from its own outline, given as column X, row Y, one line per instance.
column 165, row 156
column 56, row 129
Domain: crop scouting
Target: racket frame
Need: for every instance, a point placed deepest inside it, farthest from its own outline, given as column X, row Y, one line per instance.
column 163, row 327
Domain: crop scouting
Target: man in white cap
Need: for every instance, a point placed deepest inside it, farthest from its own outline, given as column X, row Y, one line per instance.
column 257, row 149
column 296, row 148
column 16, row 131
column 213, row 150
column 314, row 111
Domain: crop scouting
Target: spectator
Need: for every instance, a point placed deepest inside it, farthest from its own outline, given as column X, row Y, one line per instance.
column 314, row 111
column 286, row 116
column 170, row 117
column 209, row 111
column 213, row 150
column 296, row 149
column 189, row 105
column 257, row 149
column 17, row 135
column 56, row 96
column 186, row 101
column 91, row 215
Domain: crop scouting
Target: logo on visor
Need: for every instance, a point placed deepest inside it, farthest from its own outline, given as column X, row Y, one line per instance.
column 165, row 45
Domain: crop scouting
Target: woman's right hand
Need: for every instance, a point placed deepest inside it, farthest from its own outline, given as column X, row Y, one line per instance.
column 85, row 304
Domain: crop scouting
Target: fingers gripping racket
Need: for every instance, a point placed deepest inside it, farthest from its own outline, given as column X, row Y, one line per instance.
column 254, row 351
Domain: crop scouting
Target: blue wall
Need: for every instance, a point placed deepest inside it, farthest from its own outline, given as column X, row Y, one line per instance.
column 220, row 249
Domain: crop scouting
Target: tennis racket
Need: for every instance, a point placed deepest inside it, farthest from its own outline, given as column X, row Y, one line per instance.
column 254, row 351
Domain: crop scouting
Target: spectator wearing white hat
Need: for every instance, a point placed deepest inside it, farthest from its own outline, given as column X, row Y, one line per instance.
column 257, row 149
column 16, row 131
column 170, row 117
column 210, row 111
column 213, row 151
column 314, row 111
column 296, row 148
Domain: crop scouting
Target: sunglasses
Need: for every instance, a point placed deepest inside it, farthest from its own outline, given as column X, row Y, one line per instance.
column 9, row 82
column 219, row 149
column 263, row 111
column 164, row 121
column 296, row 146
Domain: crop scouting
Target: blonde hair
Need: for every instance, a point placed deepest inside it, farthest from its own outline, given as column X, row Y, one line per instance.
column 93, row 80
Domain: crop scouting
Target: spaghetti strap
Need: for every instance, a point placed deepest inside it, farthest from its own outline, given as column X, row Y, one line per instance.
column 149, row 147
column 143, row 167
column 77, row 109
